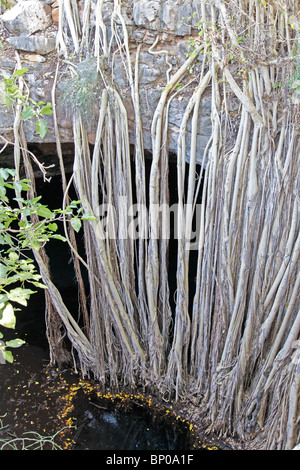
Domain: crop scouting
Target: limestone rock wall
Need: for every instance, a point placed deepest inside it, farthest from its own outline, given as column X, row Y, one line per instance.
column 30, row 27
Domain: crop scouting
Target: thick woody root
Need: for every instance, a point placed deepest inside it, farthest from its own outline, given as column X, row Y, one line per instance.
column 236, row 342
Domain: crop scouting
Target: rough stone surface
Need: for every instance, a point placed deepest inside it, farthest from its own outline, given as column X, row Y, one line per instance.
column 38, row 44
column 27, row 17
column 176, row 16
column 172, row 21
column 55, row 15
column 34, row 58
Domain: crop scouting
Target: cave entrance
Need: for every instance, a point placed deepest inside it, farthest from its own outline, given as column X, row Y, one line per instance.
column 59, row 254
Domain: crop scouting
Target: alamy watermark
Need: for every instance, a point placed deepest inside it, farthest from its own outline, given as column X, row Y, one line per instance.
column 158, row 222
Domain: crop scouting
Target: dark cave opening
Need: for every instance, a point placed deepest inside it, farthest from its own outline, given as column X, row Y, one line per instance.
column 59, row 253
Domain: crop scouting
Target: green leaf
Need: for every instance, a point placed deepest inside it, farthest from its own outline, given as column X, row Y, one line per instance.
column 3, row 271
column 8, row 356
column 14, row 343
column 43, row 211
column 3, row 300
column 27, row 265
column 8, row 318
column 40, row 285
column 36, row 199
column 25, row 186
column 27, row 113
column 4, row 173
column 25, row 243
column 76, row 224
column 17, row 185
column 7, row 5
column 8, row 102
column 3, row 194
column 9, row 185
column 88, row 217
column 20, row 295
column 8, row 239
column 59, row 237
column 46, row 109
column 13, row 256
column 74, row 204
column 19, row 199
column 20, row 72
column 41, row 127
column 53, row 227
column 36, row 245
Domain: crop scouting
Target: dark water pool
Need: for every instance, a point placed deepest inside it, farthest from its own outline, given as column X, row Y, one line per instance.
column 107, row 430
column 102, row 425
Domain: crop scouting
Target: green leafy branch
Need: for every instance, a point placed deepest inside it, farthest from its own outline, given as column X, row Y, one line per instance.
column 25, row 224
column 31, row 109
column 14, row 270
column 7, row 3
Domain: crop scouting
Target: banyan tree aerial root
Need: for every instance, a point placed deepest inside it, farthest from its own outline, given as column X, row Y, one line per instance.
column 237, row 351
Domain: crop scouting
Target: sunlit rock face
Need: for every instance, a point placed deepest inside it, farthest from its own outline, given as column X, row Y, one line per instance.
column 164, row 29
column 27, row 17
column 175, row 16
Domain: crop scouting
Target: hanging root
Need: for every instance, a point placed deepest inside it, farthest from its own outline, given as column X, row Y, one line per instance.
column 234, row 348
